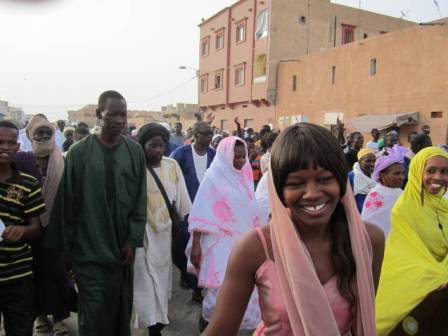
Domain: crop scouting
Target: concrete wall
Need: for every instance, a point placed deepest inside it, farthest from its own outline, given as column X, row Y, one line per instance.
column 288, row 38
column 216, row 60
column 292, row 39
column 261, row 116
column 247, row 100
column 412, row 76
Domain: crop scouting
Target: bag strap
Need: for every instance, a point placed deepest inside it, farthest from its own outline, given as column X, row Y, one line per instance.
column 162, row 190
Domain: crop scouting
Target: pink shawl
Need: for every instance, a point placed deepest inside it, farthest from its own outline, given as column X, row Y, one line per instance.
column 308, row 308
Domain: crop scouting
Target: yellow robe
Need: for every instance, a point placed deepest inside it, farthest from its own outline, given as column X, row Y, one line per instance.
column 415, row 260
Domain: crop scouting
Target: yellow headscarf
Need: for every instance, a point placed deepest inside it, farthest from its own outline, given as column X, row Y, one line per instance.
column 415, row 260
column 364, row 151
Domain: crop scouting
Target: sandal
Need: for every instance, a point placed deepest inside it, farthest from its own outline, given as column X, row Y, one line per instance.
column 41, row 325
column 60, row 329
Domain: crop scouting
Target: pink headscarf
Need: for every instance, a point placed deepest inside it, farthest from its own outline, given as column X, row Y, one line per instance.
column 308, row 308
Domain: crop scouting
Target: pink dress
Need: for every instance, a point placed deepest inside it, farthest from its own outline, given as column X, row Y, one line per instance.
column 273, row 310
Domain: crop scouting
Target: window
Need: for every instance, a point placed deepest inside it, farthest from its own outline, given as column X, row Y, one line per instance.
column 239, row 75
column 224, row 124
column 260, row 69
column 262, row 24
column 249, row 123
column 241, row 32
column 373, row 67
column 220, row 39
column 302, row 19
column 348, row 33
column 438, row 114
column 218, row 80
column 366, row 35
column 205, row 46
column 294, row 82
column 333, row 74
column 204, row 84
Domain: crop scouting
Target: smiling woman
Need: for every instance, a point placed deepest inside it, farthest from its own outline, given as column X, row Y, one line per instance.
column 412, row 296
column 312, row 264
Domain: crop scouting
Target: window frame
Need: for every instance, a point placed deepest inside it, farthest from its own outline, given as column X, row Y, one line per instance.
column 294, row 83
column 219, row 73
column 249, row 123
column 265, row 32
column 333, row 75
column 224, row 123
column 436, row 114
column 240, row 68
column 347, row 28
column 241, row 24
column 260, row 78
column 204, row 78
column 373, row 67
column 219, row 36
column 205, row 42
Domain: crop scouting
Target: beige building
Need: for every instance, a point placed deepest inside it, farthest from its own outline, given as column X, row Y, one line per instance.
column 185, row 113
column 169, row 114
column 16, row 114
column 4, row 109
column 242, row 46
column 86, row 114
column 397, row 79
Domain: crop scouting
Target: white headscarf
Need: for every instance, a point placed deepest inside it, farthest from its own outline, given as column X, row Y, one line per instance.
column 362, row 184
column 223, row 210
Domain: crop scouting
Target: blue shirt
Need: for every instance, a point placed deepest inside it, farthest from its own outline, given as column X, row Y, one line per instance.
column 184, row 157
column 360, row 198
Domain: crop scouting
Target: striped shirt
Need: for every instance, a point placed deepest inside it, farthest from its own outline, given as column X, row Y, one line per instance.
column 256, row 169
column 20, row 199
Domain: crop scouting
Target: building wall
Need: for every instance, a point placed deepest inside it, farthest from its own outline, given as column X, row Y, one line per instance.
column 16, row 114
column 292, row 39
column 241, row 53
column 224, row 118
column 4, row 108
column 412, row 76
column 216, row 60
column 87, row 114
column 227, row 102
column 136, row 118
column 288, row 38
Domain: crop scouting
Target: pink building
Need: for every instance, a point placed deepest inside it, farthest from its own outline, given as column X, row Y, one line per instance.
column 242, row 46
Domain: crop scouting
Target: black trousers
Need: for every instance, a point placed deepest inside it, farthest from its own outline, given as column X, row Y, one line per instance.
column 16, row 306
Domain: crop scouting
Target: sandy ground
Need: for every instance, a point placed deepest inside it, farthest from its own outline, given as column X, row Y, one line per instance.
column 184, row 316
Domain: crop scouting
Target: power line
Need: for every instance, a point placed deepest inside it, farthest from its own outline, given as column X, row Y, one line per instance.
column 169, row 91
column 72, row 106
column 438, row 8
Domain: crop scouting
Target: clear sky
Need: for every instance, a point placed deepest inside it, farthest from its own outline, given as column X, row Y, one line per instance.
column 57, row 55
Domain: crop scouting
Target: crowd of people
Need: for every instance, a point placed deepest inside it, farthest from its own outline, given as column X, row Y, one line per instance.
column 293, row 232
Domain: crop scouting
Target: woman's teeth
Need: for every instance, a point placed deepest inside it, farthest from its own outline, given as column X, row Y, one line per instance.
column 315, row 207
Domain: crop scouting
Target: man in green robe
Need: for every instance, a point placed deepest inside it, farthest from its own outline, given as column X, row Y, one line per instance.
column 99, row 218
